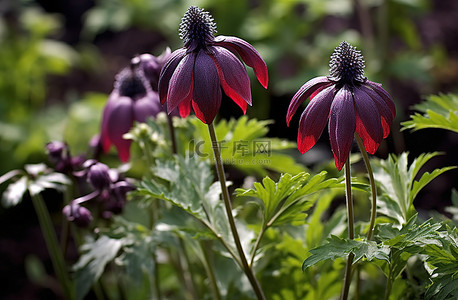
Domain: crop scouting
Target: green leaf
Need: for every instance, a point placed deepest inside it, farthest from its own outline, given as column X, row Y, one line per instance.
column 339, row 248
column 188, row 184
column 244, row 145
column 439, row 111
column 96, row 255
column 443, row 261
column 288, row 199
column 398, row 186
column 14, row 192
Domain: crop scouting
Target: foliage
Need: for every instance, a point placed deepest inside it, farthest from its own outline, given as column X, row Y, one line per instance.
column 399, row 185
column 437, row 111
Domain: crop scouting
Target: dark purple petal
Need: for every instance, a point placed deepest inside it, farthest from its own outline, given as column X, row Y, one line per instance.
column 384, row 110
column 181, row 83
column 342, row 126
column 104, row 136
column 303, row 93
column 206, row 99
column 368, row 124
column 119, row 122
column 384, row 94
column 233, row 77
column 148, row 106
column 167, row 72
column 313, row 119
column 248, row 54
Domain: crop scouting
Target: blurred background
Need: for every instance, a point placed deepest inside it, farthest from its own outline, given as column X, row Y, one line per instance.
column 58, row 60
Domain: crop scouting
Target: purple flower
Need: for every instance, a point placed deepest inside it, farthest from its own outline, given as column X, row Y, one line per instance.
column 195, row 74
column 152, row 66
column 349, row 101
column 78, row 214
column 132, row 99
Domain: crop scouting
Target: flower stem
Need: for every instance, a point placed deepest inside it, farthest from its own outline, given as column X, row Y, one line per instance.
column 172, row 134
column 227, row 203
column 52, row 244
column 351, row 230
column 208, row 266
column 373, row 187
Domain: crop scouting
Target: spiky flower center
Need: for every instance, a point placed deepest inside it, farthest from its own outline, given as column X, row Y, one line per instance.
column 130, row 82
column 197, row 28
column 347, row 65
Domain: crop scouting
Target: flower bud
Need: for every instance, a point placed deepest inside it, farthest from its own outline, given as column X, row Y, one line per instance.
column 78, row 214
column 98, row 176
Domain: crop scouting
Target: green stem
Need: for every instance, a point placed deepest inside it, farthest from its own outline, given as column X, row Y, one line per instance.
column 351, row 230
column 210, row 272
column 52, row 245
column 183, row 268
column 373, row 187
column 227, row 203
column 172, row 134
column 256, row 244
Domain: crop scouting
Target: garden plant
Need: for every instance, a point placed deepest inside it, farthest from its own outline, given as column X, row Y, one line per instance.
column 171, row 200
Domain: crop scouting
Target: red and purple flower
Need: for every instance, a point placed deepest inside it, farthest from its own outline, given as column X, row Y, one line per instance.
column 195, row 74
column 349, row 101
column 132, row 99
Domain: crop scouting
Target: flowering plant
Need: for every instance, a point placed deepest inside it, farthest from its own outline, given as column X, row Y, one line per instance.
column 200, row 207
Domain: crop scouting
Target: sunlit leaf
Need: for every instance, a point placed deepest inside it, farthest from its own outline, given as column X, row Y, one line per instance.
column 288, row 199
column 244, row 145
column 398, row 186
column 437, row 111
column 90, row 266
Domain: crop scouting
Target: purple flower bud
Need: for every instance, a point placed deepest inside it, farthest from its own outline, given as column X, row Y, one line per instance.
column 99, row 176
column 56, row 150
column 152, row 66
column 78, row 214
column 118, row 197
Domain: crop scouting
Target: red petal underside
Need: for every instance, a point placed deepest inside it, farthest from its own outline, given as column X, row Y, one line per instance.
column 181, row 83
column 303, row 93
column 342, row 126
column 248, row 54
column 313, row 119
column 184, row 108
column 385, row 113
column 104, row 136
column 233, row 77
column 206, row 99
column 167, row 72
column 368, row 125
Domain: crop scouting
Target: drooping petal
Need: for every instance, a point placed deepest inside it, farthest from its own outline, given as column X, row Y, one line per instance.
column 104, row 136
column 313, row 119
column 368, row 123
column 181, row 83
column 119, row 123
column 167, row 72
column 248, row 54
column 384, row 110
column 384, row 94
column 303, row 93
column 342, row 126
column 232, row 76
column 206, row 99
column 147, row 106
